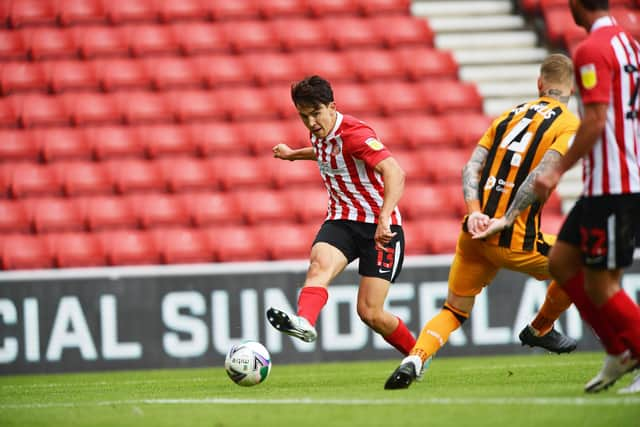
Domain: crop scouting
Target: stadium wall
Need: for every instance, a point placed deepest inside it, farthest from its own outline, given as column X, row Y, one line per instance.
column 189, row 315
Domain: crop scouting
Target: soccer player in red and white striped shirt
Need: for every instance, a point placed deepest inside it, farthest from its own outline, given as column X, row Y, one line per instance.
column 597, row 239
column 364, row 184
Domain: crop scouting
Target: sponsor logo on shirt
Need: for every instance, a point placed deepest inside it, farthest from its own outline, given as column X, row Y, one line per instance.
column 588, row 76
column 374, row 144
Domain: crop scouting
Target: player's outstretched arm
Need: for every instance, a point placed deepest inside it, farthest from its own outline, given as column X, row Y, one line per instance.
column 525, row 196
column 471, row 173
column 284, row 152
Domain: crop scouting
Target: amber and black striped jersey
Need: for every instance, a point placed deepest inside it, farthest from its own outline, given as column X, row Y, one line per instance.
column 517, row 141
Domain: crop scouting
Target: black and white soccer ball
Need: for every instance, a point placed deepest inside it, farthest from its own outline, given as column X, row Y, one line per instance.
column 248, row 363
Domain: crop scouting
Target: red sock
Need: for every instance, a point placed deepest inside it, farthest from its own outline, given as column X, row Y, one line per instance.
column 593, row 316
column 401, row 338
column 624, row 316
column 311, row 301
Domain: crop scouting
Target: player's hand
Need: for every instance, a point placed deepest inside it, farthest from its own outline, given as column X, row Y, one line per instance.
column 282, row 151
column 496, row 225
column 477, row 222
column 545, row 183
column 383, row 233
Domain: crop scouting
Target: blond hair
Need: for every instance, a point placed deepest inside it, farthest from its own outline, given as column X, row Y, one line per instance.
column 557, row 69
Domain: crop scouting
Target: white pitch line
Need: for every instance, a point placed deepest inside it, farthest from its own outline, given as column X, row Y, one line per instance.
column 496, row 401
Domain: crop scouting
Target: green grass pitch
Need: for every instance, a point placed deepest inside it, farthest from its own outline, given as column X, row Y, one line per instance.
column 531, row 390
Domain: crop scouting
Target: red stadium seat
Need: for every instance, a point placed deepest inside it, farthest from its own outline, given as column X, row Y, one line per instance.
column 553, row 205
column 374, row 64
column 200, row 37
column 98, row 41
column 385, row 7
column 421, row 201
column 234, row 10
column 334, row 7
column 293, row 174
column 185, row 173
column 72, row 75
column 398, row 97
column 530, row 7
column 171, row 10
column 62, row 144
column 282, row 8
column 353, row 32
column 129, row 247
column 136, row 176
column 83, row 178
column 34, row 180
column 629, row 19
column 13, row 45
column 197, row 105
column 222, row 70
column 444, row 165
column 109, row 213
column 551, row 223
column 76, row 250
column 309, row 204
column 217, row 138
column 236, row 243
column 24, row 252
column 151, row 39
column 421, row 130
column 246, row 36
column 467, row 128
column 172, row 72
column 261, row 136
column 159, row 210
column 235, row 172
column 414, row 237
column 7, row 169
column 334, row 66
column 301, row 34
column 421, row 62
column 31, row 12
column 264, row 206
column 441, row 234
column 44, row 43
column 144, row 107
column 42, row 110
column 412, row 164
column 55, row 214
column 212, row 208
column 81, row 12
column 279, row 95
column 116, row 74
column 404, row 30
column 120, row 11
column 114, row 142
column 387, row 131
column 247, row 103
column 183, row 246
column 166, row 140
column 18, row 145
column 22, row 76
column 294, row 240
column 92, row 108
column 445, row 96
column 355, row 99
column 9, row 111
column 270, row 68
column 13, row 217
column 558, row 21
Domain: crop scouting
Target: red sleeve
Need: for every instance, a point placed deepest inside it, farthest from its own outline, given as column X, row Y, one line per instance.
column 362, row 143
column 593, row 73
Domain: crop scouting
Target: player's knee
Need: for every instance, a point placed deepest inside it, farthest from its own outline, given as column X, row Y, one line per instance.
column 371, row 316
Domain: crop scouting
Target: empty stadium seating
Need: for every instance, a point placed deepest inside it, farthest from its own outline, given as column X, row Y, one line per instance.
column 140, row 131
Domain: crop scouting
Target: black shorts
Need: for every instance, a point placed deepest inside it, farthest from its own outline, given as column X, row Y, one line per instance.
column 355, row 240
column 605, row 229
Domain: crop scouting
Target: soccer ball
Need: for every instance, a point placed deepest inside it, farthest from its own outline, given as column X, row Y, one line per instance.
column 248, row 363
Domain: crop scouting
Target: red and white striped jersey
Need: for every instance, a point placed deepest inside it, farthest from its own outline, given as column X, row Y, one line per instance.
column 607, row 66
column 347, row 158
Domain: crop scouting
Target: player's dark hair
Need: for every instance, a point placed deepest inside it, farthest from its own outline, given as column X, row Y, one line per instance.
column 311, row 92
column 595, row 4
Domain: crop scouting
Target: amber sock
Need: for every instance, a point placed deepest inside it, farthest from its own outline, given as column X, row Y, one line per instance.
column 555, row 303
column 436, row 332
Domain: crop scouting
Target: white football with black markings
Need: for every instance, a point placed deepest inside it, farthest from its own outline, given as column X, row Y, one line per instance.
column 248, row 363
